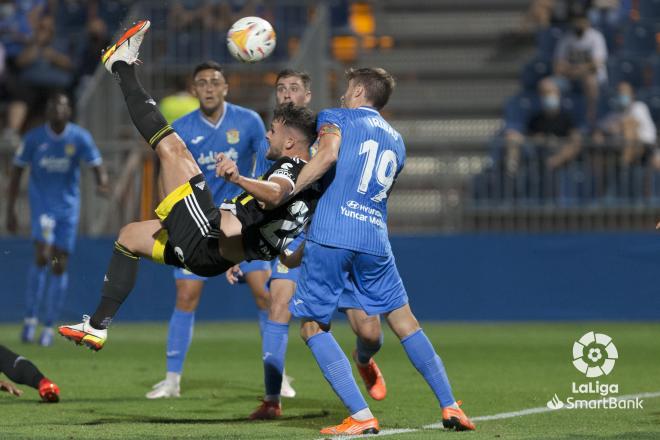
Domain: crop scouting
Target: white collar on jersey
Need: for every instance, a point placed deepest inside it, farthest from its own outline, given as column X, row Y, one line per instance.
column 54, row 136
column 217, row 124
column 371, row 109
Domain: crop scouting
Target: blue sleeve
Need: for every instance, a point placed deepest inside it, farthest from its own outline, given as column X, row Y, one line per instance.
column 23, row 156
column 89, row 152
column 333, row 116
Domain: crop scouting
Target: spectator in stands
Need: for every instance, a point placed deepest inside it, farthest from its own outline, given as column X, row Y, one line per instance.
column 580, row 59
column 45, row 64
column 95, row 41
column 550, row 134
column 541, row 14
column 17, row 21
column 629, row 125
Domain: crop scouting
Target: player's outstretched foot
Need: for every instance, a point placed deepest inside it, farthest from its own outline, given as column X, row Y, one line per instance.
column 455, row 418
column 373, row 379
column 127, row 46
column 350, row 426
column 84, row 334
column 164, row 389
column 287, row 390
column 48, row 391
column 267, row 411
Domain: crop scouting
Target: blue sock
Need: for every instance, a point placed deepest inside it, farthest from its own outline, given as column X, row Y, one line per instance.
column 365, row 351
column 337, row 371
column 179, row 336
column 428, row 363
column 275, row 338
column 36, row 283
column 263, row 318
column 55, row 295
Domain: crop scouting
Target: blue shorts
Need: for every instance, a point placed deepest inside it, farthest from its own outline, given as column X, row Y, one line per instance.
column 327, row 271
column 57, row 232
column 252, row 266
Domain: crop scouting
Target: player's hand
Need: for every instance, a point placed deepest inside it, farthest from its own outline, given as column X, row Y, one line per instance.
column 233, row 273
column 12, row 222
column 10, row 388
column 226, row 168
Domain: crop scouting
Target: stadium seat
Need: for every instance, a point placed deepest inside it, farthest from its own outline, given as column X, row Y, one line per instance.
column 649, row 8
column 639, row 39
column 535, row 70
column 652, row 98
column 546, row 41
column 576, row 105
column 625, row 69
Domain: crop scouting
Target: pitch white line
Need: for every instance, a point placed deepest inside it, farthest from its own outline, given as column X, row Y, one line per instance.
column 500, row 416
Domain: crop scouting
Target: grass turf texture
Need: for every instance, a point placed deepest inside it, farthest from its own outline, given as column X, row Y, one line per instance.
column 494, row 368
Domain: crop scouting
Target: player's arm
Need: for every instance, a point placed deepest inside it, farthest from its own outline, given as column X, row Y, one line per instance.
column 271, row 193
column 101, row 178
column 325, row 158
column 12, row 194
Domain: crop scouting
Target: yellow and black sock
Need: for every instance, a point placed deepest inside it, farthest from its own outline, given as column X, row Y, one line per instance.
column 118, row 282
column 143, row 109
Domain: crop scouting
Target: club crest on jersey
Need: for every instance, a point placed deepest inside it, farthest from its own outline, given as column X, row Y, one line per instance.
column 70, row 149
column 233, row 136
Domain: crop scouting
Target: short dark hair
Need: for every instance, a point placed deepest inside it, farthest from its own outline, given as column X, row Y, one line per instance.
column 210, row 64
column 304, row 76
column 377, row 82
column 298, row 117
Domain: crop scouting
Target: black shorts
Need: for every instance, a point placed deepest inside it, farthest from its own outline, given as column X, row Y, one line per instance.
column 192, row 228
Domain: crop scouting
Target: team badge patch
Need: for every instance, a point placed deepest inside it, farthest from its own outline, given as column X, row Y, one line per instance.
column 233, row 136
column 70, row 149
column 281, row 268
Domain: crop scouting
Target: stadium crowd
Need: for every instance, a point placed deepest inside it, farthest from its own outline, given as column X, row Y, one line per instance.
column 583, row 127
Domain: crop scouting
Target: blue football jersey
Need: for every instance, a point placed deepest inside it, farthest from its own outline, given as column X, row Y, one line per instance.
column 238, row 134
column 54, row 161
column 261, row 164
column 352, row 212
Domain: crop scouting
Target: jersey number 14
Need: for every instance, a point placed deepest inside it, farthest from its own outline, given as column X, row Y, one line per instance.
column 385, row 165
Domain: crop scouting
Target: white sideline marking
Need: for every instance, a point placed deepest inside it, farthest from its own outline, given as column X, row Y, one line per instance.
column 500, row 416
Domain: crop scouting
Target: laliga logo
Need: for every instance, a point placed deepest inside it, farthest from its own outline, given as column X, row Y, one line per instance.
column 594, row 354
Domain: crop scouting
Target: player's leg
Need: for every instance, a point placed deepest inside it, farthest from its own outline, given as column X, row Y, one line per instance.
column 177, row 164
column 36, row 284
column 322, row 279
column 369, row 339
column 56, row 292
column 180, row 332
column 256, row 274
column 24, row 372
column 275, row 339
column 379, row 289
column 140, row 239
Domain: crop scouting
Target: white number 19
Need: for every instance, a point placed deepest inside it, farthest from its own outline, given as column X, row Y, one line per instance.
column 386, row 162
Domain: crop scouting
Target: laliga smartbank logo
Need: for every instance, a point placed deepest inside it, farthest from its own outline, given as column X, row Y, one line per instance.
column 594, row 355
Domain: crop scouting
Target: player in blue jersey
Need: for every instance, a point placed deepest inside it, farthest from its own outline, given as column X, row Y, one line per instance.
column 216, row 127
column 53, row 152
column 294, row 86
column 358, row 160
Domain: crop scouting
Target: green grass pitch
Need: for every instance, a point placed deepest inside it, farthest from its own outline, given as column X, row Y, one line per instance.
column 494, row 368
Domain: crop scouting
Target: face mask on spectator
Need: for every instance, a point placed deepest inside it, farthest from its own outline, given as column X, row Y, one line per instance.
column 550, row 102
column 624, row 101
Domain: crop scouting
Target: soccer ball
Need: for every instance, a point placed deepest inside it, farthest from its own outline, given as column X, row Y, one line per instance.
column 251, row 39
